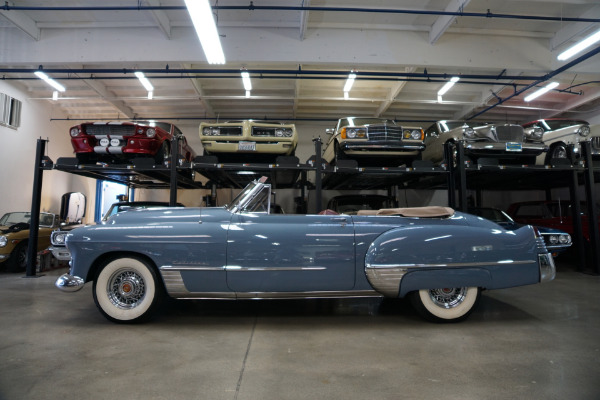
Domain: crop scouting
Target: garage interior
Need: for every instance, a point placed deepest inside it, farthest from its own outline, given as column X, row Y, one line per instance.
column 535, row 341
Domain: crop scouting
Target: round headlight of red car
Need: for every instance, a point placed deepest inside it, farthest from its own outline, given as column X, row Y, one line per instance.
column 150, row 132
column 74, row 132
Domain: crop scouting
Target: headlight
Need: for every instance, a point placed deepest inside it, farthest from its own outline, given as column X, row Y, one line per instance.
column 469, row 133
column 414, row 134
column 584, row 130
column 3, row 241
column 74, row 132
column 211, row 131
column 58, row 238
column 287, row 132
column 150, row 132
column 537, row 132
column 355, row 133
column 553, row 239
column 564, row 239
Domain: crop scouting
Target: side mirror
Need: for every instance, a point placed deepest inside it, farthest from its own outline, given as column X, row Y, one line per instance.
column 330, row 131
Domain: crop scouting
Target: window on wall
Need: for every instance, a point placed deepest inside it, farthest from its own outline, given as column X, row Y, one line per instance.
column 10, row 111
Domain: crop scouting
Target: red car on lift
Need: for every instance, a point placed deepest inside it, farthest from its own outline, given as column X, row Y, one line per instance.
column 117, row 142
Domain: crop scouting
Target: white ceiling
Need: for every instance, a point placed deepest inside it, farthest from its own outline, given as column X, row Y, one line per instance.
column 94, row 52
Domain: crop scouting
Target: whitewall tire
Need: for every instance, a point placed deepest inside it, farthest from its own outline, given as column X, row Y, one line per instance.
column 446, row 304
column 127, row 290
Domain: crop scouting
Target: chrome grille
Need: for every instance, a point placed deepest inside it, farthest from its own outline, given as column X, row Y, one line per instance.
column 596, row 142
column 384, row 132
column 509, row 133
column 103, row 130
column 262, row 131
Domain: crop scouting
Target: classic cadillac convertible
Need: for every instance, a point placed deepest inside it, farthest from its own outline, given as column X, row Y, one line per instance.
column 439, row 258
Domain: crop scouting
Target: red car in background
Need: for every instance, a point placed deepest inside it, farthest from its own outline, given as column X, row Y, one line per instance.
column 116, row 142
column 551, row 214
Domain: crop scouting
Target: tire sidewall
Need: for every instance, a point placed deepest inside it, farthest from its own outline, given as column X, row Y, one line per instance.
column 111, row 311
column 432, row 311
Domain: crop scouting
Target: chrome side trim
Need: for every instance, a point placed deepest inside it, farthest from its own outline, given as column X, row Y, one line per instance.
column 239, row 268
column 450, row 265
column 190, row 268
column 308, row 295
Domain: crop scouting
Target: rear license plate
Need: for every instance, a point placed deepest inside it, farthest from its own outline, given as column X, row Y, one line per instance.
column 512, row 146
column 247, row 146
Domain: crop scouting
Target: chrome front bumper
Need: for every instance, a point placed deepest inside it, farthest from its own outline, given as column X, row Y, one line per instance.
column 500, row 147
column 60, row 253
column 69, row 283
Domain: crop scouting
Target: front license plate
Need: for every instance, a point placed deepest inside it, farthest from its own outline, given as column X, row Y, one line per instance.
column 247, row 146
column 512, row 146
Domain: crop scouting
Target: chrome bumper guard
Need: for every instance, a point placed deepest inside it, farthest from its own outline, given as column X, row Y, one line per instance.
column 547, row 267
column 69, row 283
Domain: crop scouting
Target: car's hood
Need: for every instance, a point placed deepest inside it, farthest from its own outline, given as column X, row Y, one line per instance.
column 155, row 216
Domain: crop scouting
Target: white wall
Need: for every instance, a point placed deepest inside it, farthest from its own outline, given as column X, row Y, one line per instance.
column 17, row 157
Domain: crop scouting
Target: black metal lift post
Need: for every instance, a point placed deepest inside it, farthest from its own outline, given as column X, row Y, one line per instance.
column 318, row 170
column 36, row 200
column 586, row 148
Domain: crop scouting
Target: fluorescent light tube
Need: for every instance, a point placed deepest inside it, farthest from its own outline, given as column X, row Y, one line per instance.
column 50, row 81
column 580, row 46
column 540, row 92
column 55, row 95
column 349, row 82
column 144, row 81
column 346, row 95
column 246, row 81
column 247, row 94
column 204, row 23
column 150, row 95
column 448, row 85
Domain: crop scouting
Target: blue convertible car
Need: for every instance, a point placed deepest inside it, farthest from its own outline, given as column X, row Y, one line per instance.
column 439, row 258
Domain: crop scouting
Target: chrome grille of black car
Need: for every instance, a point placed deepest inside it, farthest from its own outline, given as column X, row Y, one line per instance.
column 384, row 132
column 103, row 130
column 509, row 133
column 262, row 131
column 596, row 142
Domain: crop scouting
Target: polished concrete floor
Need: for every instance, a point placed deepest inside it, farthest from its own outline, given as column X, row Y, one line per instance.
column 535, row 342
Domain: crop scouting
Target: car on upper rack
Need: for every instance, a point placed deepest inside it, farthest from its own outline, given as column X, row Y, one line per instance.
column 248, row 140
column 439, row 258
column 14, row 237
column 57, row 238
column 556, row 241
column 351, row 204
column 122, row 141
column 373, row 140
column 508, row 143
column 560, row 134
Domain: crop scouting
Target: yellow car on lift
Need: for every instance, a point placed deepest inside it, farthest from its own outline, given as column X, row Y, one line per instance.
column 247, row 140
column 14, row 235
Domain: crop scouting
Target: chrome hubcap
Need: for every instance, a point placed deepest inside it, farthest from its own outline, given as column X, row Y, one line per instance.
column 448, row 297
column 126, row 289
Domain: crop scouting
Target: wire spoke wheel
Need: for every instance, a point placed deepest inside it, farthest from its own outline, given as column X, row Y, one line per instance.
column 127, row 289
column 446, row 304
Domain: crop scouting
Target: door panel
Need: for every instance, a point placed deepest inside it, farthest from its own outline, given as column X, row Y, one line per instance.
column 282, row 253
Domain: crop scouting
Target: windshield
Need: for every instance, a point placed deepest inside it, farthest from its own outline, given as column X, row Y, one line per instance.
column 491, row 214
column 552, row 125
column 363, row 121
column 8, row 219
column 446, row 126
column 256, row 197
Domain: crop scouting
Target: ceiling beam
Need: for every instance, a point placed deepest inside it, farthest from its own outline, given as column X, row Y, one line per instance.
column 23, row 22
column 161, row 18
column 575, row 30
column 208, row 110
column 109, row 97
column 393, row 93
column 444, row 21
